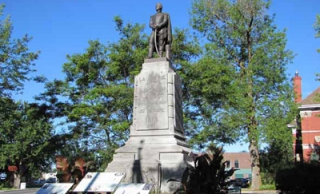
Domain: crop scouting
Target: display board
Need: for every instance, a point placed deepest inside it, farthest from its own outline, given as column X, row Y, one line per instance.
column 55, row 188
column 99, row 182
column 134, row 188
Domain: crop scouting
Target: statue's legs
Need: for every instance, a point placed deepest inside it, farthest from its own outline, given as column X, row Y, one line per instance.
column 168, row 49
column 161, row 45
column 151, row 45
column 150, row 51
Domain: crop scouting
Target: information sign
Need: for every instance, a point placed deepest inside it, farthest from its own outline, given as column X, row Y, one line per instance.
column 99, row 182
column 134, row 188
column 55, row 188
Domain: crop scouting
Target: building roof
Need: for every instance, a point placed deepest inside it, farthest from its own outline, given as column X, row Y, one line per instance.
column 310, row 102
column 312, row 98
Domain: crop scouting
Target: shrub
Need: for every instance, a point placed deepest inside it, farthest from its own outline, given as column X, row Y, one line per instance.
column 300, row 178
column 207, row 175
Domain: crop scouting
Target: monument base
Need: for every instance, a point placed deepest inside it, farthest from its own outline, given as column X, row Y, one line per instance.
column 156, row 150
column 151, row 163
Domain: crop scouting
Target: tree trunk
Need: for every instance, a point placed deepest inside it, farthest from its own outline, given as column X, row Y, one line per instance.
column 255, row 165
column 17, row 180
column 252, row 133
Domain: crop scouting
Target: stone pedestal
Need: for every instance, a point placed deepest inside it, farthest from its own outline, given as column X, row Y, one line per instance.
column 156, row 150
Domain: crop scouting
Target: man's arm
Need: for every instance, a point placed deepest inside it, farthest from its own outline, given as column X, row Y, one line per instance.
column 151, row 24
column 164, row 21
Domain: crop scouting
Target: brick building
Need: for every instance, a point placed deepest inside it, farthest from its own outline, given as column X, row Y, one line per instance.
column 239, row 160
column 306, row 128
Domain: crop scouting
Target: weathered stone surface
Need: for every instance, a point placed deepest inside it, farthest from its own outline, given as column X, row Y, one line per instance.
column 151, row 100
column 156, row 150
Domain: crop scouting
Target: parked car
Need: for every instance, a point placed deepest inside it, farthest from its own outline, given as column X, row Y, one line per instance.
column 234, row 189
column 39, row 182
column 249, row 180
column 240, row 182
column 51, row 180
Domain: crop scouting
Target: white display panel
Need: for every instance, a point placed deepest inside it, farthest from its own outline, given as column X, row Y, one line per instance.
column 56, row 188
column 134, row 188
column 99, row 182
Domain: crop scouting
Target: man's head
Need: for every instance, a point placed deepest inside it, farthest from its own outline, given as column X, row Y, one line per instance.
column 159, row 7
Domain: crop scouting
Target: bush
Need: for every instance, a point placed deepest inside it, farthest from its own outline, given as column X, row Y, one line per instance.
column 207, row 175
column 300, row 178
column 267, row 178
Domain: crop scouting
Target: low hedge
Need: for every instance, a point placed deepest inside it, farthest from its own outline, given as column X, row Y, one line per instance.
column 300, row 178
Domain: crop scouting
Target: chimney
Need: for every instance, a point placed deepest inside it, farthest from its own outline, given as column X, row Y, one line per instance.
column 297, row 87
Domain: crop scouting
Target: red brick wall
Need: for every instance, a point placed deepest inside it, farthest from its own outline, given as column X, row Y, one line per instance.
column 310, row 127
column 242, row 157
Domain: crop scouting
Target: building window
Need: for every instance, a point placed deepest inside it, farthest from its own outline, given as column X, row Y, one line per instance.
column 228, row 164
column 236, row 164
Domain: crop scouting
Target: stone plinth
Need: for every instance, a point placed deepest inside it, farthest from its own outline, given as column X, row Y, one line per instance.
column 156, row 149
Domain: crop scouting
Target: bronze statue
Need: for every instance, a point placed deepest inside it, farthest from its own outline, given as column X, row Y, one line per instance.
column 161, row 36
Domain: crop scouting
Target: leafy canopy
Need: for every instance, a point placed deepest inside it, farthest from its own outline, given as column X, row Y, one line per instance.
column 25, row 138
column 241, row 91
column 16, row 60
column 96, row 96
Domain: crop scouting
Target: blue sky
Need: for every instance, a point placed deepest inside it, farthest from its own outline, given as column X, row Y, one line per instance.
column 61, row 27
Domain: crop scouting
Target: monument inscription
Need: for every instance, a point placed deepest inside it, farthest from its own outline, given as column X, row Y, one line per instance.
column 151, row 101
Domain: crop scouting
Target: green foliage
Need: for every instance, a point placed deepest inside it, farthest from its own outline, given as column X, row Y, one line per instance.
column 240, row 88
column 299, row 178
column 4, row 187
column 16, row 60
column 317, row 35
column 95, row 100
column 25, row 129
column 96, row 95
column 268, row 187
column 99, row 88
column 317, row 28
column 207, row 175
column 26, row 137
column 274, row 158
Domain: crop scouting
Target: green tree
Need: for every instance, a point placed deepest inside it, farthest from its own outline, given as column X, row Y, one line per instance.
column 25, row 139
column 317, row 35
column 96, row 96
column 16, row 60
column 274, row 158
column 317, row 28
column 99, row 87
column 240, row 88
column 23, row 127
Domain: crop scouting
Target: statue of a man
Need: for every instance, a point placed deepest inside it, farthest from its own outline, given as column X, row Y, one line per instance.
column 161, row 36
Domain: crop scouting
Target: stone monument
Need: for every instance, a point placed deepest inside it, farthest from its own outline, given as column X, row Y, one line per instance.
column 156, row 149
